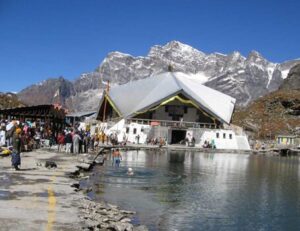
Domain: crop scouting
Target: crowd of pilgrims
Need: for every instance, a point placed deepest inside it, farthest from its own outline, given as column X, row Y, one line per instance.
column 34, row 135
column 30, row 134
column 79, row 141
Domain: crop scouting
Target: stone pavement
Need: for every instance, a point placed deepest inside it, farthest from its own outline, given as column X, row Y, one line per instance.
column 37, row 198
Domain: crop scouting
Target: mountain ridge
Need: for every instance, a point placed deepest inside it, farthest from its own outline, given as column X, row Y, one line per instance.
column 244, row 78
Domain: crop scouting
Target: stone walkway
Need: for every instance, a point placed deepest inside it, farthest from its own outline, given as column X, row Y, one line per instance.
column 37, row 198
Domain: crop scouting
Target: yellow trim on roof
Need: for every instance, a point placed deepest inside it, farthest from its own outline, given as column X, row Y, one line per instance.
column 112, row 104
column 184, row 101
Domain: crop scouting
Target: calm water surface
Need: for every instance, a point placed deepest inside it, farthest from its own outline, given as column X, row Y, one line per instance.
column 197, row 191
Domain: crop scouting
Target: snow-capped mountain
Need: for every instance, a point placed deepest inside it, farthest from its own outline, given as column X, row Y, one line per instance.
column 245, row 78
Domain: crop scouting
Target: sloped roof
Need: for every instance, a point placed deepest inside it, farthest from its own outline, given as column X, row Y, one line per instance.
column 80, row 114
column 142, row 94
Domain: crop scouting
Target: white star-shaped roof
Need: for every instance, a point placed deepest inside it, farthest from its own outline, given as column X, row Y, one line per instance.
column 145, row 93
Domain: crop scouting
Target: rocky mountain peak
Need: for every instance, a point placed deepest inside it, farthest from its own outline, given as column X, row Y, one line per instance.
column 173, row 49
column 243, row 78
column 257, row 58
column 117, row 54
column 236, row 56
column 178, row 46
column 254, row 54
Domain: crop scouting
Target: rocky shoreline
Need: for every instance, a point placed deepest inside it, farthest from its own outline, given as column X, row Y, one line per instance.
column 100, row 216
column 104, row 216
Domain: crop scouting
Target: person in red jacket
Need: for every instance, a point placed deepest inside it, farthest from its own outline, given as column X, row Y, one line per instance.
column 61, row 142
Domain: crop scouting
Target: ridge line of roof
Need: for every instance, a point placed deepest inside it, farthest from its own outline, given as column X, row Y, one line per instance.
column 176, row 80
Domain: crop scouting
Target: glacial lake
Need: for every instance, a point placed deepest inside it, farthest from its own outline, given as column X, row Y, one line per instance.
column 199, row 191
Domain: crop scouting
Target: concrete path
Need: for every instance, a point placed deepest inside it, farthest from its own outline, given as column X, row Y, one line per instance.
column 37, row 198
column 176, row 147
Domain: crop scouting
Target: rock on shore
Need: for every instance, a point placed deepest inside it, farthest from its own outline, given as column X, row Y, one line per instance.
column 102, row 216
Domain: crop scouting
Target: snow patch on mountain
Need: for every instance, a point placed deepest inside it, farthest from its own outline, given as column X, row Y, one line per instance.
column 285, row 73
column 270, row 69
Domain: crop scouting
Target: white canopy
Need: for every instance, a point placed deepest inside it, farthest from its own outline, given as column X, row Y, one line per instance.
column 145, row 93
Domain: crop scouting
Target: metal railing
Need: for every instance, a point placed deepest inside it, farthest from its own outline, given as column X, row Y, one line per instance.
column 170, row 123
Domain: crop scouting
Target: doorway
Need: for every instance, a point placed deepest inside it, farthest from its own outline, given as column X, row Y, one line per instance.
column 178, row 136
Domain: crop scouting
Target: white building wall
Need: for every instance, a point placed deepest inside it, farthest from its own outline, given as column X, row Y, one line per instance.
column 225, row 140
column 134, row 129
column 242, row 142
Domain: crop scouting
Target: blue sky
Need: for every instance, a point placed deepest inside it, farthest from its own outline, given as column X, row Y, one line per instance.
column 40, row 39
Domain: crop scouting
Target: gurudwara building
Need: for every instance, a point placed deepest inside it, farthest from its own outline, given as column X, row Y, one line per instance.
column 173, row 106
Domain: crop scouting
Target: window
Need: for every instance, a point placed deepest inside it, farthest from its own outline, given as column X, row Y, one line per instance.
column 185, row 109
column 150, row 116
column 142, row 129
column 217, row 135
column 230, row 136
column 134, row 131
column 127, row 130
column 224, row 135
column 175, row 110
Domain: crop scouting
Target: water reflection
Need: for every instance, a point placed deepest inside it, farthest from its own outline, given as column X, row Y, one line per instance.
column 197, row 191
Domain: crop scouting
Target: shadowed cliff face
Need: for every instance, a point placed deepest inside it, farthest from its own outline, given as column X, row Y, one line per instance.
column 292, row 82
column 244, row 78
column 48, row 92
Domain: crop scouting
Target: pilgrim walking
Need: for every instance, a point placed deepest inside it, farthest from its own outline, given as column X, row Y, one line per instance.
column 16, row 142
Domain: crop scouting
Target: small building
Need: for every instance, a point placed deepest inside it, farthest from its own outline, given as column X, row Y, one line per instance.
column 48, row 115
column 288, row 140
column 77, row 117
column 174, row 106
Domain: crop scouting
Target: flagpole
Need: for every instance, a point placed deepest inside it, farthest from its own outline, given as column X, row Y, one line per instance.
column 105, row 101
